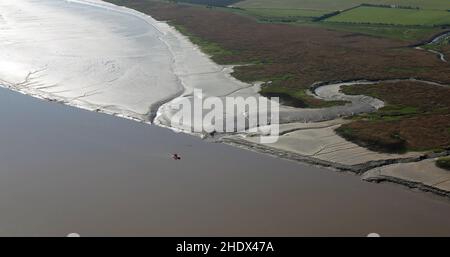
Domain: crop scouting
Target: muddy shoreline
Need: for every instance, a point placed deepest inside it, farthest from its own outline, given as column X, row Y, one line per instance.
column 358, row 170
column 307, row 116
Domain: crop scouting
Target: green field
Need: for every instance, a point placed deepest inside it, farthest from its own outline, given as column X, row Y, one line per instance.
column 393, row 16
column 405, row 24
column 396, row 23
column 334, row 5
column 394, row 32
column 279, row 13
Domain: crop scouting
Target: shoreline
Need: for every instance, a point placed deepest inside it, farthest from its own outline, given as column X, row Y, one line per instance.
column 361, row 170
column 152, row 116
column 411, row 185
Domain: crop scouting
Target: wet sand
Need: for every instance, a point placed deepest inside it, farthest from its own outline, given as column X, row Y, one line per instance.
column 122, row 62
column 66, row 170
column 98, row 56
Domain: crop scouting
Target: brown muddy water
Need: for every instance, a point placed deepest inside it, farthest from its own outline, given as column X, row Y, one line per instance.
column 65, row 170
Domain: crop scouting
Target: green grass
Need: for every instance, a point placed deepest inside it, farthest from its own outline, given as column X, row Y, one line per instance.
column 334, row 5
column 392, row 16
column 305, row 17
column 282, row 13
column 296, row 97
column 389, row 113
column 443, row 163
column 302, row 12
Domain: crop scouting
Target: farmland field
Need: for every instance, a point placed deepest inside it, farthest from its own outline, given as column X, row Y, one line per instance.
column 278, row 13
column 394, row 16
column 405, row 33
column 333, row 5
column 404, row 24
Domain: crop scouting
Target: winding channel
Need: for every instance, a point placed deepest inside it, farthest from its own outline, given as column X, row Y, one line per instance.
column 437, row 39
column 330, row 91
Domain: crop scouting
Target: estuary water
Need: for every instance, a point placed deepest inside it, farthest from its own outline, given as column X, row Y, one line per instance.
column 66, row 170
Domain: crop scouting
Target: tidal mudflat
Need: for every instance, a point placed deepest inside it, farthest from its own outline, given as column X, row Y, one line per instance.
column 98, row 56
column 119, row 61
column 65, row 170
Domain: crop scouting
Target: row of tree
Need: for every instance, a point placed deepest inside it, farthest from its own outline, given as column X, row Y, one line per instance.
column 392, row 6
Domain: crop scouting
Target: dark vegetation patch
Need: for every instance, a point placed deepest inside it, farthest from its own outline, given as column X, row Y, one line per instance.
column 416, row 117
column 443, row 163
column 446, row 51
column 285, row 99
column 295, row 98
column 412, row 34
column 220, row 3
